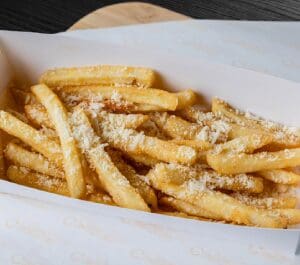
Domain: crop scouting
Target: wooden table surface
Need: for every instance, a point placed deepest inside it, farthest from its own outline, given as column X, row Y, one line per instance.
column 56, row 15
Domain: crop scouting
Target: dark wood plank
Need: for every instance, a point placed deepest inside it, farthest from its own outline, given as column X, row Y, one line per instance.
column 57, row 15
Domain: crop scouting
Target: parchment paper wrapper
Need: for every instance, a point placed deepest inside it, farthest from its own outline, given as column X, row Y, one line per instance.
column 41, row 228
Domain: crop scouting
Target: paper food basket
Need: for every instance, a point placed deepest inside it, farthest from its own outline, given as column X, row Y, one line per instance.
column 42, row 228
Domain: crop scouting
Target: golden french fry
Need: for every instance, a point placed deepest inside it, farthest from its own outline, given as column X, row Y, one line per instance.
column 135, row 142
column 34, row 161
column 99, row 75
column 207, row 178
column 266, row 202
column 112, row 180
column 280, row 176
column 282, row 136
column 71, row 158
column 24, row 176
column 198, row 114
column 186, row 98
column 186, row 208
column 292, row 215
column 221, row 205
column 150, row 96
column 137, row 181
column 235, row 163
column 179, row 128
column 244, row 144
column 31, row 136
column 132, row 121
column 38, row 115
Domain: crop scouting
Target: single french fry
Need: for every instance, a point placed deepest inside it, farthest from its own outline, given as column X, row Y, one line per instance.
column 266, row 202
column 112, row 180
column 135, row 142
column 235, row 163
column 24, row 176
column 179, row 128
column 31, row 136
column 292, row 215
column 150, row 96
column 282, row 136
column 34, row 161
column 208, row 178
column 186, row 98
column 198, row 114
column 38, row 115
column 280, row 176
column 71, row 158
column 244, row 144
column 99, row 75
column 138, row 182
column 221, row 205
column 186, row 208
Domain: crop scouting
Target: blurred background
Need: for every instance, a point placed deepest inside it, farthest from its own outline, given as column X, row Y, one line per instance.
column 52, row 16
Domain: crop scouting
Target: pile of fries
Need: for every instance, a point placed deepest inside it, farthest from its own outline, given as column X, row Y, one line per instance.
column 104, row 134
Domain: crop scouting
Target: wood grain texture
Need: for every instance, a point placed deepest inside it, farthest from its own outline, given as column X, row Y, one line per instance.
column 51, row 16
column 126, row 14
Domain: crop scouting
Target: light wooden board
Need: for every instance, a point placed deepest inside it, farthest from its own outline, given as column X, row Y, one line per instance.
column 126, row 14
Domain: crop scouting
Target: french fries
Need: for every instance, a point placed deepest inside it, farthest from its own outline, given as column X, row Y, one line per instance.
column 31, row 136
column 222, row 206
column 38, row 115
column 72, row 163
column 186, row 98
column 137, row 181
column 99, row 75
column 282, row 136
column 131, row 141
column 267, row 202
column 37, row 162
column 235, row 163
column 24, row 176
column 207, row 178
column 156, row 97
column 280, row 176
column 109, row 175
column 111, row 135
